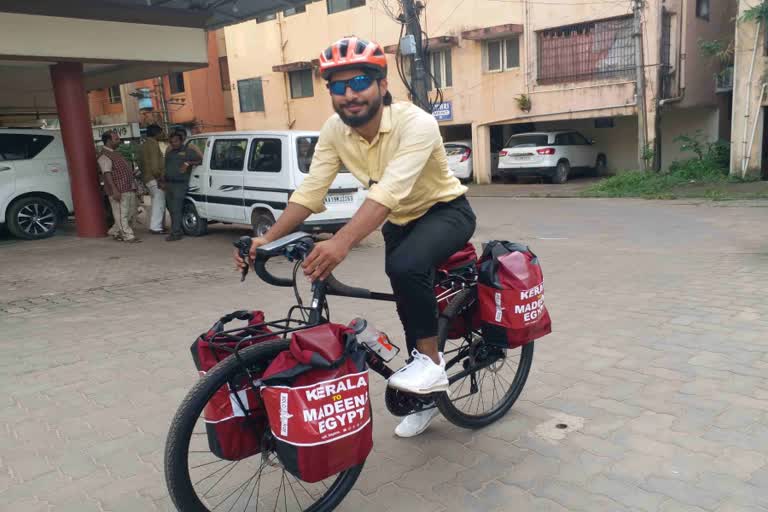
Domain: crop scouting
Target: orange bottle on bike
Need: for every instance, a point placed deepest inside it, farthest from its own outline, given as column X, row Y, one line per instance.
column 374, row 339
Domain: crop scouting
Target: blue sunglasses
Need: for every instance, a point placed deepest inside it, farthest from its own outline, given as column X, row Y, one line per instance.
column 357, row 84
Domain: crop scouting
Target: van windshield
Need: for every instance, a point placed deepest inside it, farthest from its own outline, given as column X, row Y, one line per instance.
column 305, row 149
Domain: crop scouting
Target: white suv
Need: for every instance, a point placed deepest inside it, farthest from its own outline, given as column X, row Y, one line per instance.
column 555, row 155
column 34, row 183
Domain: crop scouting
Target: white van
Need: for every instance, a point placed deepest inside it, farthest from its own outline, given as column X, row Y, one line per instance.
column 247, row 177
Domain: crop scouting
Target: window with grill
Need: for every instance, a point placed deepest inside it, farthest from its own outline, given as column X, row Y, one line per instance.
column 294, row 10
column 588, row 51
column 439, row 65
column 114, row 94
column 502, row 54
column 343, row 5
column 251, row 95
column 176, row 81
column 301, row 83
column 702, row 9
column 266, row 17
column 224, row 74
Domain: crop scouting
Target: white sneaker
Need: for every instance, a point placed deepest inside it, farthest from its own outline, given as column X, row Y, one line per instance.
column 421, row 376
column 415, row 424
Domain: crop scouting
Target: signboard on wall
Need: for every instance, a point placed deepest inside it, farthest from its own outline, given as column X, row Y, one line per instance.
column 443, row 111
column 125, row 131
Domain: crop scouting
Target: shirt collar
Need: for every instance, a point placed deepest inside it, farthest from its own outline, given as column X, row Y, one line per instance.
column 108, row 149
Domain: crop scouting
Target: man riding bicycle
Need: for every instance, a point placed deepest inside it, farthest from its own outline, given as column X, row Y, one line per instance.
column 397, row 151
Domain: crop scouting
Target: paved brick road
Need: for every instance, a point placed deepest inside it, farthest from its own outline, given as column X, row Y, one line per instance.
column 657, row 363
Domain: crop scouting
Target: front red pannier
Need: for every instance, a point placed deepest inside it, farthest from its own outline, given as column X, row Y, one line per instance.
column 511, row 295
column 316, row 397
column 234, row 417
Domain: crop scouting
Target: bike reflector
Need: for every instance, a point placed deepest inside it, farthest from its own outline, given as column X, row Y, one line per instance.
column 317, row 402
column 511, row 295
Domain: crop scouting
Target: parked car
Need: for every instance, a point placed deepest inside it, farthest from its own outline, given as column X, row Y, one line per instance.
column 459, row 155
column 247, row 177
column 34, row 183
column 555, row 155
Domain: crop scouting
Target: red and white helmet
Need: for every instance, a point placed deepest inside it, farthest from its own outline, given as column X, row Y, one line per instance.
column 353, row 53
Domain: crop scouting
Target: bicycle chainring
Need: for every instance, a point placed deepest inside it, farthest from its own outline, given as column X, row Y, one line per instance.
column 400, row 403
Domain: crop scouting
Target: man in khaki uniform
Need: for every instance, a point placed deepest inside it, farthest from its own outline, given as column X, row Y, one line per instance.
column 152, row 169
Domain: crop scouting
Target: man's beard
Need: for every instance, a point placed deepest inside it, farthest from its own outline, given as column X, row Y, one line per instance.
column 360, row 119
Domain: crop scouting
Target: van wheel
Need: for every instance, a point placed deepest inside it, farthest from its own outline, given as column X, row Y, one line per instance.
column 262, row 221
column 191, row 222
column 561, row 173
column 33, row 218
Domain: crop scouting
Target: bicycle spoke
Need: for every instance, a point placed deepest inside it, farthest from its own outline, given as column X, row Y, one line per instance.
column 212, row 474
column 242, row 486
column 208, row 463
column 220, row 479
column 305, row 489
column 294, row 494
column 277, row 498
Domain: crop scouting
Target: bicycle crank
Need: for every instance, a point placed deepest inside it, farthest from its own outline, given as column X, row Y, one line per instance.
column 400, row 403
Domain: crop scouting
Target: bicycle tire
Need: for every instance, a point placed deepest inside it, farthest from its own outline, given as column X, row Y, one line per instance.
column 445, row 403
column 176, row 463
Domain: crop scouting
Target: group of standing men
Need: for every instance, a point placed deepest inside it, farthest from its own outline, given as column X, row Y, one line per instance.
column 165, row 174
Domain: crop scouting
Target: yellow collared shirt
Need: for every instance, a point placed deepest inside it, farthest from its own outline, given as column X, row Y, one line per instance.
column 405, row 165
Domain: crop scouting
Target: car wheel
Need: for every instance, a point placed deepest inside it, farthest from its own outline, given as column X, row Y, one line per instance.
column 561, row 172
column 191, row 222
column 262, row 221
column 33, row 218
column 601, row 166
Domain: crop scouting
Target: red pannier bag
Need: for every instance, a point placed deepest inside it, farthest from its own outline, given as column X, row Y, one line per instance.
column 510, row 293
column 316, row 397
column 235, row 420
column 461, row 262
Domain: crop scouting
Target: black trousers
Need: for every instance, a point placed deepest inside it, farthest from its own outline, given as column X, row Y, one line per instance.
column 413, row 252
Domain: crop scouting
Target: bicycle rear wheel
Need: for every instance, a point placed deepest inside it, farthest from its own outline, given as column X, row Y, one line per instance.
column 494, row 377
column 199, row 481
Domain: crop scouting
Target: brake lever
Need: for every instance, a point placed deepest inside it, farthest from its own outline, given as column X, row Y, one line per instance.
column 244, row 248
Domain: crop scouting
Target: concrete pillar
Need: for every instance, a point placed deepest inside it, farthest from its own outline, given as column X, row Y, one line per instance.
column 77, row 135
column 481, row 157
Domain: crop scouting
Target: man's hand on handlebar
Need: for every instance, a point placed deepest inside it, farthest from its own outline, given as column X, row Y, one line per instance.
column 324, row 258
column 240, row 264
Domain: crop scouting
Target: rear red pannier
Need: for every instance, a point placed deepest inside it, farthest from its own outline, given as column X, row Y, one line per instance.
column 511, row 295
column 235, row 420
column 462, row 262
column 316, row 397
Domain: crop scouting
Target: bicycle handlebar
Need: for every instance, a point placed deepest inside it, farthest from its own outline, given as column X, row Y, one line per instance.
column 297, row 247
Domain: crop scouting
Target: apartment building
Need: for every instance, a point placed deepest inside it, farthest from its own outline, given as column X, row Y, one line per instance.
column 503, row 66
column 749, row 78
column 195, row 101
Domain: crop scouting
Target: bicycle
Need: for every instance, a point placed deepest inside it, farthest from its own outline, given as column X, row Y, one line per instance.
column 469, row 359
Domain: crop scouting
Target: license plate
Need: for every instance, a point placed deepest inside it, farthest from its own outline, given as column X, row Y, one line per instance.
column 331, row 199
column 523, row 158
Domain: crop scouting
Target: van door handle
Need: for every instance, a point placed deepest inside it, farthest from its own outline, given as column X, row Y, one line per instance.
column 196, row 175
column 210, row 181
column 5, row 169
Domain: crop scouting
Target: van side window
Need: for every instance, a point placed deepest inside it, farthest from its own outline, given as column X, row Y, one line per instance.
column 228, row 154
column 266, row 155
column 198, row 144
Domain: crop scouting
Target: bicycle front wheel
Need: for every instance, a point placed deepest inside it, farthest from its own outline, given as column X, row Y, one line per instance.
column 490, row 379
column 199, row 481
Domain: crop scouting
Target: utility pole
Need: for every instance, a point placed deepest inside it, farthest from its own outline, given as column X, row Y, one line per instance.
column 418, row 65
column 642, row 114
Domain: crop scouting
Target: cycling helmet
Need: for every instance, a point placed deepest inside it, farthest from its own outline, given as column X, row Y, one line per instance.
column 352, row 53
